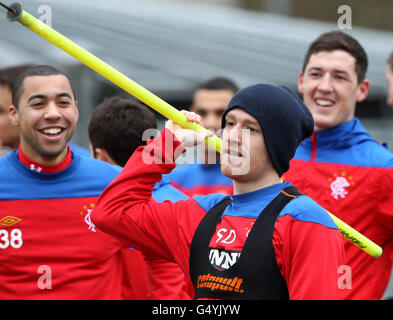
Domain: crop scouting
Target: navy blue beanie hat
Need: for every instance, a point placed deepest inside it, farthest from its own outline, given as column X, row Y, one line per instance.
column 284, row 119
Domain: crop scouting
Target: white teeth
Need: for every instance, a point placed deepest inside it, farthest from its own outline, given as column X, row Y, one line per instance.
column 234, row 153
column 52, row 131
column 324, row 102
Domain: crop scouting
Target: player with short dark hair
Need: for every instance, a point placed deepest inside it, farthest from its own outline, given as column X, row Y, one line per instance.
column 209, row 100
column 117, row 127
column 50, row 247
column 341, row 166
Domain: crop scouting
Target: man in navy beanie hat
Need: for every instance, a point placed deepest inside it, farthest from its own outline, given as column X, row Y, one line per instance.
column 267, row 241
column 284, row 119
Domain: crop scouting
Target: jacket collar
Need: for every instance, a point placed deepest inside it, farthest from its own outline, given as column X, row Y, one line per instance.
column 343, row 135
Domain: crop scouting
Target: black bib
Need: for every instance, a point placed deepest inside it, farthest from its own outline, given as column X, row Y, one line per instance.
column 255, row 275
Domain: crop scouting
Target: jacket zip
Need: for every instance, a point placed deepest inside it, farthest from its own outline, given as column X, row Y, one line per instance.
column 314, row 147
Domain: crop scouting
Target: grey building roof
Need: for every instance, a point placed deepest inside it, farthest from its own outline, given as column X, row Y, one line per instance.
column 168, row 47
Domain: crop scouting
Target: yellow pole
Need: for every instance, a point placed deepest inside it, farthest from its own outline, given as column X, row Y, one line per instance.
column 108, row 72
column 357, row 238
column 152, row 100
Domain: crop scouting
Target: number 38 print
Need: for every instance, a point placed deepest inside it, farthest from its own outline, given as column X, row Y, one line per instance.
column 12, row 238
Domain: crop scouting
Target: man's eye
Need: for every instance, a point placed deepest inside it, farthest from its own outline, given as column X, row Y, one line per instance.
column 340, row 77
column 219, row 113
column 201, row 112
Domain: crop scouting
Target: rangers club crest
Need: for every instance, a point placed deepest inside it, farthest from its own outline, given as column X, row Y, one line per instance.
column 339, row 186
column 86, row 212
column 89, row 222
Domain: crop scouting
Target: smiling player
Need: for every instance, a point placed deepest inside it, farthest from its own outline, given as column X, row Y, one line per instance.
column 341, row 166
column 50, row 249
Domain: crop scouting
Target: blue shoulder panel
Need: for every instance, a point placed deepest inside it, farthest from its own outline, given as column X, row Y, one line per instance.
column 307, row 210
column 209, row 201
column 167, row 192
column 84, row 177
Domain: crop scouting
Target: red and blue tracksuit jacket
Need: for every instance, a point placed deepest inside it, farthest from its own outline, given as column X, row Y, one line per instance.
column 351, row 175
column 307, row 244
column 49, row 247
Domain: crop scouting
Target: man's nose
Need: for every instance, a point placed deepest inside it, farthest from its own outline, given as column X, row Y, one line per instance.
column 235, row 135
column 212, row 122
column 52, row 111
column 325, row 83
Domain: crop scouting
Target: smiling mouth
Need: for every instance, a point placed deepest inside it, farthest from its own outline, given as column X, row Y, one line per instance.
column 233, row 152
column 324, row 103
column 233, row 158
column 52, row 131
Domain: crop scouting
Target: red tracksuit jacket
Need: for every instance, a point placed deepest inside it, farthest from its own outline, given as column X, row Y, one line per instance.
column 351, row 175
column 49, row 247
column 308, row 246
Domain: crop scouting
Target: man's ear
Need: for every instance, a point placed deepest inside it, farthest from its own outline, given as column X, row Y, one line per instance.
column 300, row 82
column 77, row 108
column 363, row 89
column 13, row 114
column 102, row 154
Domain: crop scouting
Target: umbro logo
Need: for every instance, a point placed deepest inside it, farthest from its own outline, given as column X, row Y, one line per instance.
column 9, row 221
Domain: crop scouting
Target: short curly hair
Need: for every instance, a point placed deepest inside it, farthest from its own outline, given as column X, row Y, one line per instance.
column 117, row 125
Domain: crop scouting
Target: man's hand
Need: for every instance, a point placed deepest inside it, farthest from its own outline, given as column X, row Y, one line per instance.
column 187, row 137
